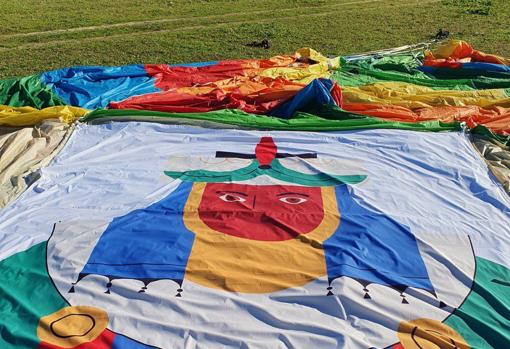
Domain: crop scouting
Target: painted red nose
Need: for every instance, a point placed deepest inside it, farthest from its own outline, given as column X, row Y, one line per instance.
column 265, row 152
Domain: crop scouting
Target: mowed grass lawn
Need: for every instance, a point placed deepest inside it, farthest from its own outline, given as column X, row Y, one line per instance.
column 39, row 35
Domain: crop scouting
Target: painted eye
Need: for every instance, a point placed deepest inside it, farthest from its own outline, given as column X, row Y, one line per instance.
column 293, row 200
column 232, row 198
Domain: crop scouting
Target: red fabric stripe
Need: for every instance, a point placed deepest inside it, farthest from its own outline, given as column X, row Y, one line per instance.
column 103, row 341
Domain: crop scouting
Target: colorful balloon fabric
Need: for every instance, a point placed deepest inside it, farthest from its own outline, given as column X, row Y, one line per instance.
column 299, row 201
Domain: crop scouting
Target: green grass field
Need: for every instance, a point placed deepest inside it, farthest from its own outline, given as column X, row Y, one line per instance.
column 38, row 35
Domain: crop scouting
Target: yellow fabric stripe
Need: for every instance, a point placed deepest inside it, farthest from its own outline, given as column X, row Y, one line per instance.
column 28, row 116
column 414, row 96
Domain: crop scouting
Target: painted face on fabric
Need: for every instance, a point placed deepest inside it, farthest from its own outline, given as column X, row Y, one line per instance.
column 261, row 212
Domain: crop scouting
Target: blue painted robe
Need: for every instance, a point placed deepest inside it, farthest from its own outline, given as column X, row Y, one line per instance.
column 153, row 243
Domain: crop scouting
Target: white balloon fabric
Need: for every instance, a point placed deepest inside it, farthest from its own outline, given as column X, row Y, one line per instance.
column 181, row 262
